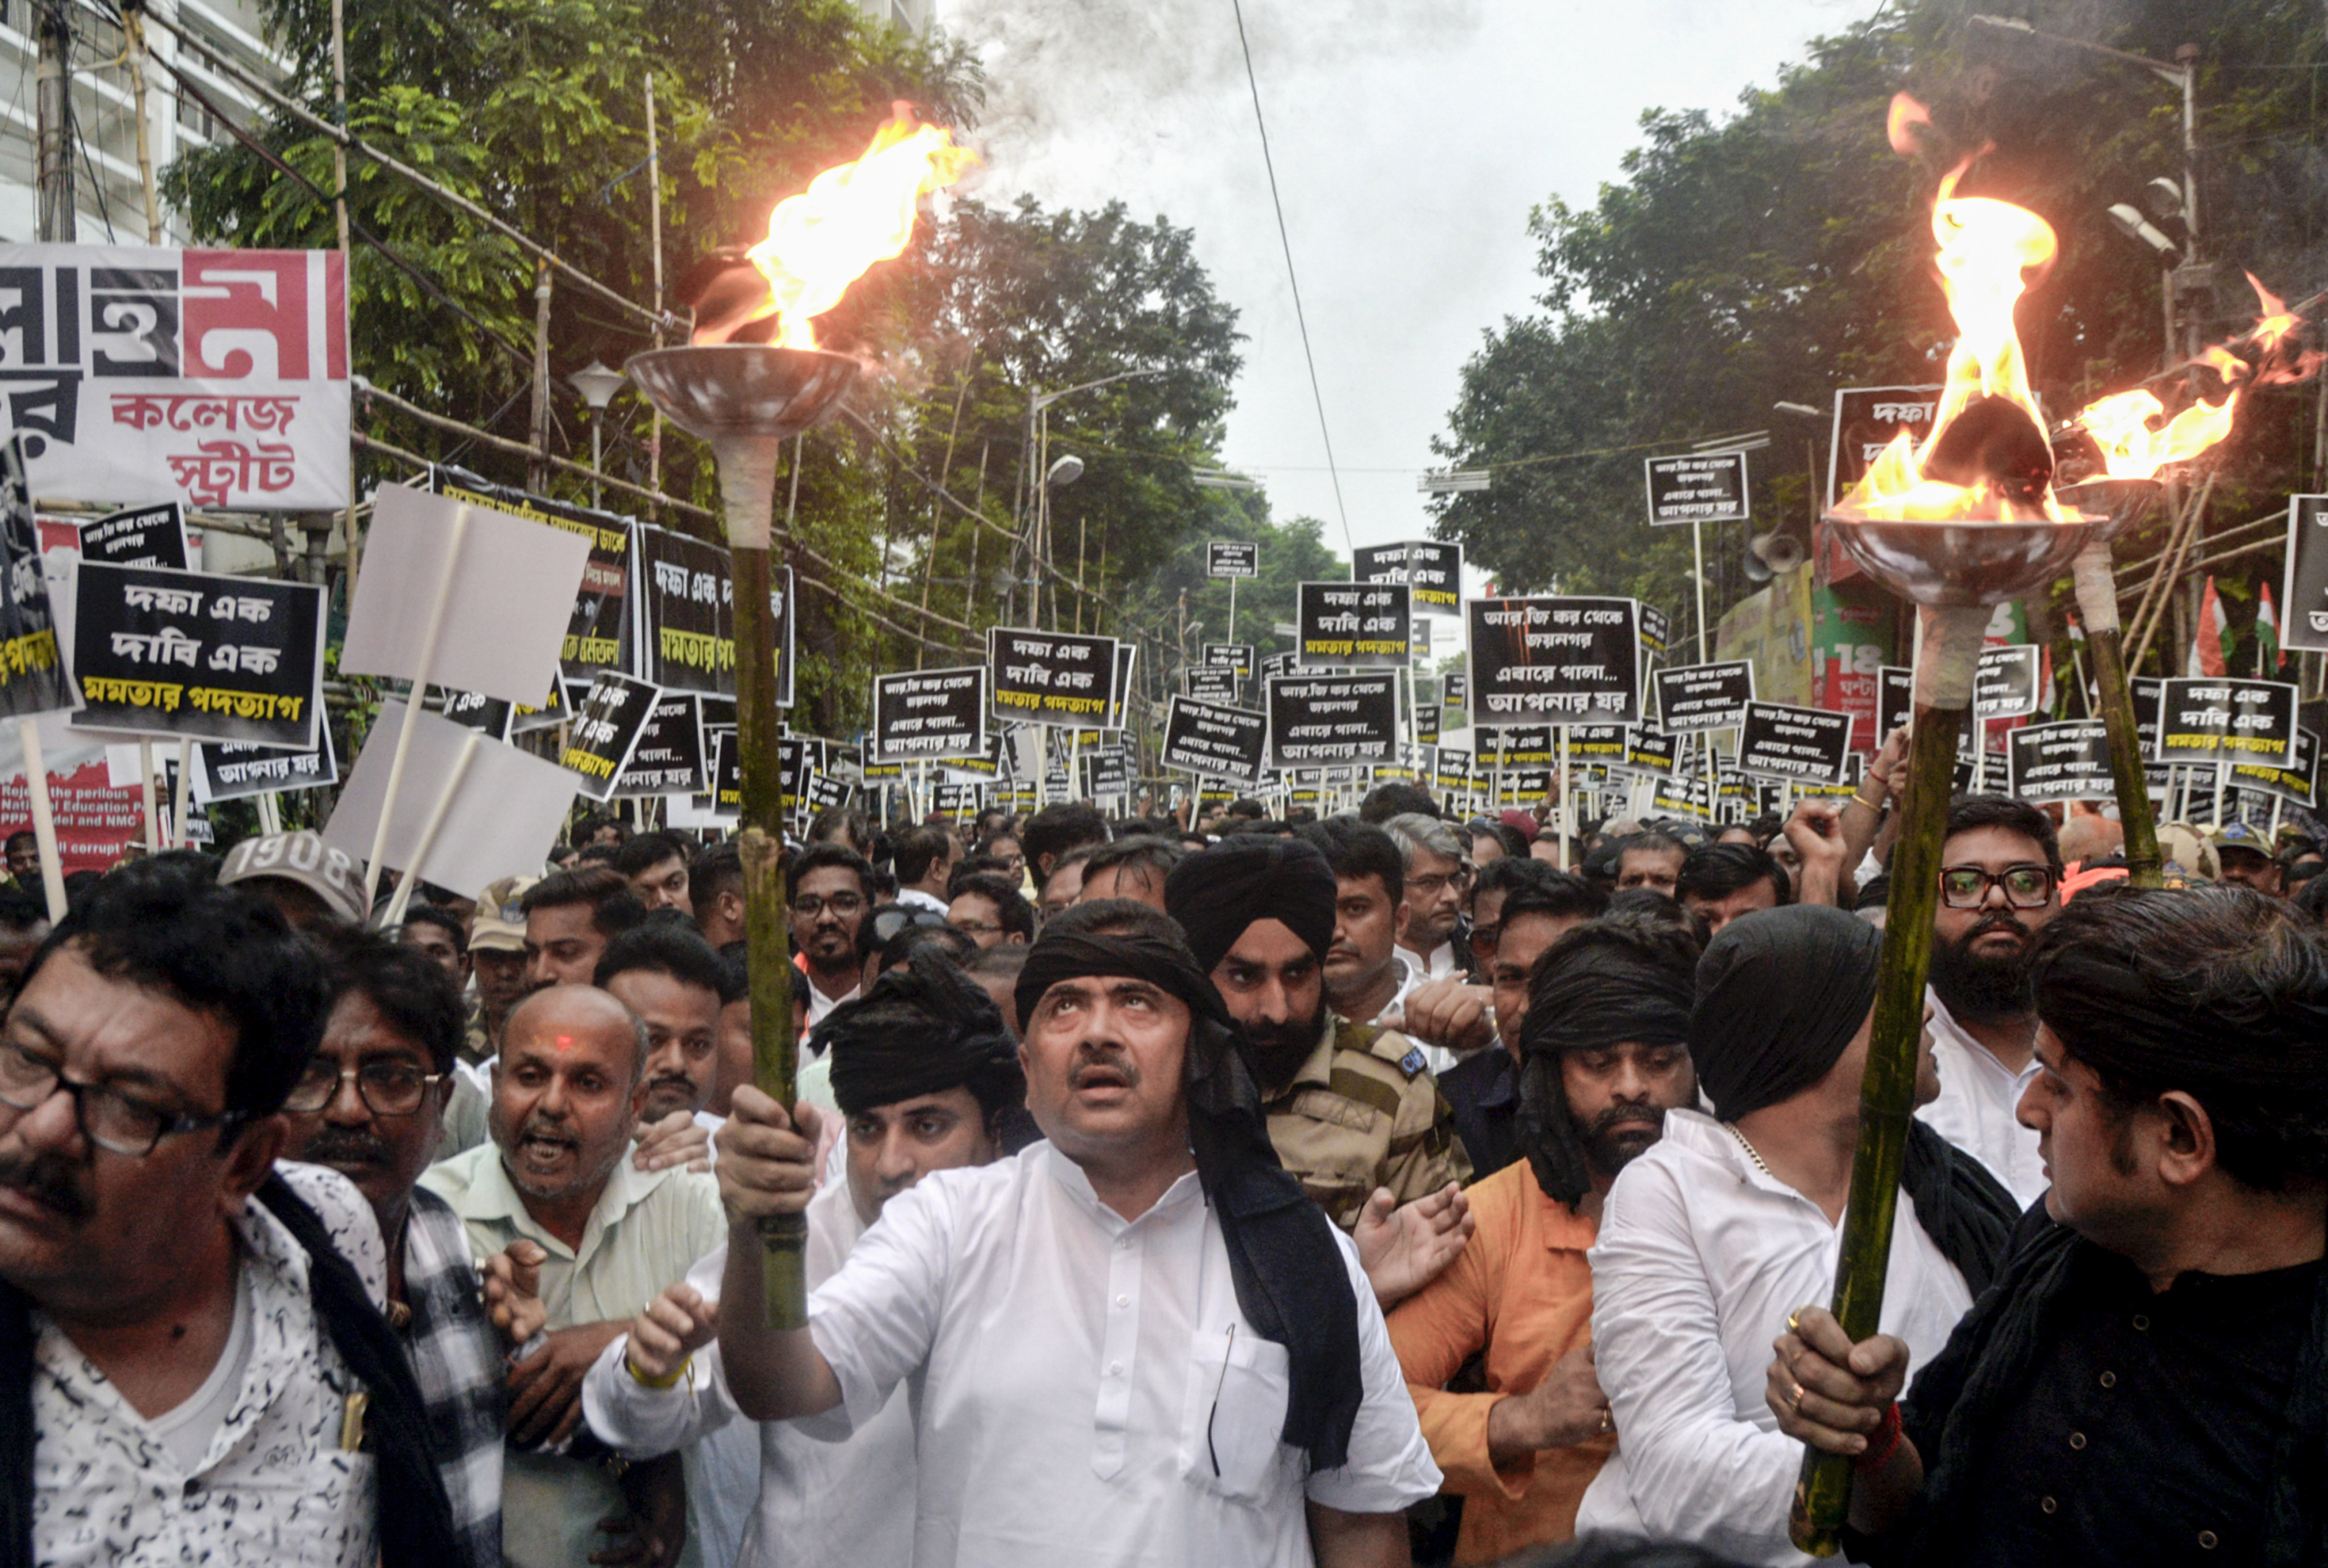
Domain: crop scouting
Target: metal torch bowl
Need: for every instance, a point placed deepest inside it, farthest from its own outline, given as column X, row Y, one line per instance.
column 720, row 391
column 1963, row 563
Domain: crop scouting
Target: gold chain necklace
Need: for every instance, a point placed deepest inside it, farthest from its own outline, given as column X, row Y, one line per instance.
column 1751, row 1155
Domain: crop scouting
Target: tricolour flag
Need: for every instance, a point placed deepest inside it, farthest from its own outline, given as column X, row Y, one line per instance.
column 2269, row 658
column 2210, row 645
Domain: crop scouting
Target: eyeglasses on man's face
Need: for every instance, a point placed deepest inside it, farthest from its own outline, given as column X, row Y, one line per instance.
column 109, row 1117
column 1966, row 887
column 387, row 1088
column 841, row 904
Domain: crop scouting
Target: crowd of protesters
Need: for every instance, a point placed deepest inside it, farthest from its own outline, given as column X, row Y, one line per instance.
column 1190, row 1189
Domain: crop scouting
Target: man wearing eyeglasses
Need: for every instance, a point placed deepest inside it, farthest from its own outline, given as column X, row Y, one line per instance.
column 1438, row 883
column 371, row 1105
column 830, row 892
column 2000, row 883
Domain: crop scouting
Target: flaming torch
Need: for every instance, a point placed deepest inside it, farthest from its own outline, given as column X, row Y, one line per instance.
column 745, row 395
column 1967, row 518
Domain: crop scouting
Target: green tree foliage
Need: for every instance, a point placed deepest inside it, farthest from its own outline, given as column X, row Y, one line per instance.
column 1784, row 251
column 1291, row 553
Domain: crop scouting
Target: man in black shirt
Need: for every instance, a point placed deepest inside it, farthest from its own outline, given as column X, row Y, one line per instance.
column 2148, row 1381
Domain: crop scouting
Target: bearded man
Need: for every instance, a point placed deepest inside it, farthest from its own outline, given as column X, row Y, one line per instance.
column 2000, row 884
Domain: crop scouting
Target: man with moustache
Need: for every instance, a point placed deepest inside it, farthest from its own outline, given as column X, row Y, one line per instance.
column 1352, row 1111
column 193, row 1366
column 668, row 976
column 831, row 893
column 927, row 1080
column 1606, row 1039
column 370, row 1106
column 1194, row 1370
column 2000, row 884
column 567, row 1091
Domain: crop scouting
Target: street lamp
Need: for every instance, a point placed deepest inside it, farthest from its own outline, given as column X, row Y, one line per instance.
column 1038, row 441
column 597, row 385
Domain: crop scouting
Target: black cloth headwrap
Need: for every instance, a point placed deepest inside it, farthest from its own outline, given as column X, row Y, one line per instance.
column 1217, row 893
column 1587, row 999
column 1283, row 1258
column 1779, row 994
column 414, row 1520
column 926, row 1027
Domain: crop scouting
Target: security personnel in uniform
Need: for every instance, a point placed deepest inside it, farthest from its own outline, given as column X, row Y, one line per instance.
column 1351, row 1107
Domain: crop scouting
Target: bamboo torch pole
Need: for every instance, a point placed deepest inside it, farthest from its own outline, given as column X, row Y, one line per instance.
column 1887, row 1095
column 2098, row 604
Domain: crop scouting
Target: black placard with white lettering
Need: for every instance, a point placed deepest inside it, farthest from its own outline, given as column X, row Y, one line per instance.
column 1454, row 765
column 2005, row 684
column 32, row 679
column 926, row 714
column 606, row 726
column 668, row 759
column 1453, row 687
column 2297, row 782
column 1343, row 718
column 2236, row 721
column 1231, row 558
column 198, row 654
column 1554, row 660
column 1127, row 654
column 2144, row 691
column 1650, row 750
column 1656, row 630
column 476, row 711
column 1052, row 677
column 957, row 799
column 599, row 633
column 1354, row 625
column 1106, row 772
column 232, row 772
column 726, row 773
column 1895, row 699
column 1426, row 723
column 1867, row 419
column 2063, row 761
column 1599, row 745
column 2305, row 587
column 686, row 616
column 1708, row 489
column 1236, row 656
column 1209, row 684
column 1528, row 747
column 140, row 536
column 1778, row 742
column 1435, row 572
column 1214, row 740
column 1704, row 696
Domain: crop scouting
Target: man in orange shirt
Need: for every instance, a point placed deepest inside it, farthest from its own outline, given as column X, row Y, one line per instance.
column 1604, row 1051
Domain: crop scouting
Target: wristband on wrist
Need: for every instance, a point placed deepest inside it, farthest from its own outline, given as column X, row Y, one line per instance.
column 666, row 1381
column 1883, row 1444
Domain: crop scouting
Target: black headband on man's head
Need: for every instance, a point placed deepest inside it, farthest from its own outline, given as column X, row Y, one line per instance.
column 926, row 1027
column 1781, row 995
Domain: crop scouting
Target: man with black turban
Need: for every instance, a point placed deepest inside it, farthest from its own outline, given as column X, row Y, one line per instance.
column 1353, row 1112
column 928, row 1079
column 1605, row 1038
column 1731, row 1222
column 2148, row 1380
column 1136, row 1342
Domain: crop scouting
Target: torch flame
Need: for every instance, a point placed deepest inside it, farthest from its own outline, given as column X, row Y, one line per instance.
column 850, row 216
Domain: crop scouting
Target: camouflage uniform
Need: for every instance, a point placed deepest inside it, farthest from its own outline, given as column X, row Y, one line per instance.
column 1361, row 1113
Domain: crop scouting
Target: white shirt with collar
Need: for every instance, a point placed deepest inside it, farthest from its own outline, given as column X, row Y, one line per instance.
column 915, row 899
column 1085, row 1388
column 1700, row 1258
column 801, row 1503
column 1438, row 964
column 1976, row 1109
column 272, row 1486
column 647, row 1231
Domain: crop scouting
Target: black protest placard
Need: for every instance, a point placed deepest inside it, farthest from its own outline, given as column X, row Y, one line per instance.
column 32, row 679
column 1231, row 558
column 1215, row 740
column 1453, row 689
column 1236, row 656
column 1526, row 747
column 231, row 772
column 1454, row 770
column 1434, row 575
column 1778, row 742
column 926, row 714
column 826, row 792
column 1378, row 564
column 1354, row 625
column 686, row 622
column 1895, row 699
column 1656, row 630
column 1650, row 750
column 1600, row 745
column 2064, row 761
column 1209, row 684
column 1704, row 696
column 139, row 537
column 476, row 711
column 727, row 772
column 668, row 758
column 198, row 656
column 2297, row 783
column 2305, row 587
column 1867, row 419
column 957, row 799
column 1426, row 723
column 599, row 635
column 1708, row 489
column 799, row 760
column 2212, row 720
column 1557, row 660
column 1052, row 677
column 606, row 726
column 2006, row 683
column 1340, row 718
column 1107, row 771
column 1689, row 795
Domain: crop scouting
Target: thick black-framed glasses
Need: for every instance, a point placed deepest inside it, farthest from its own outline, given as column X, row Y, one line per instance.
column 1966, row 887
column 387, row 1088
column 106, row 1117
column 841, row 904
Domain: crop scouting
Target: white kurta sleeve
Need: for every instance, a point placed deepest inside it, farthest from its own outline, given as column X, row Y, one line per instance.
column 1390, row 1467
column 875, row 1319
column 640, row 1423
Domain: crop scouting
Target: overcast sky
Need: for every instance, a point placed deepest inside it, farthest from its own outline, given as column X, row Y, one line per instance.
column 1411, row 139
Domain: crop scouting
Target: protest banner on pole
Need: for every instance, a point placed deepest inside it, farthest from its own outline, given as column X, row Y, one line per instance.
column 1777, row 742
column 599, row 632
column 1563, row 660
column 475, row 711
column 1052, row 677
column 1704, row 696
column 606, row 730
column 1214, row 741
column 2305, row 585
column 2211, row 720
column 929, row 715
column 1231, row 559
column 152, row 535
column 197, row 655
column 1232, row 656
column 34, row 679
column 2069, row 761
column 1315, row 720
column 1214, row 684
column 232, row 772
column 667, row 758
column 1354, row 625
column 1895, row 700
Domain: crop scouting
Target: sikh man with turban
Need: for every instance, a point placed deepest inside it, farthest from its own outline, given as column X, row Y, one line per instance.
column 2148, row 1380
column 1353, row 1111
column 927, row 1080
column 1710, row 1241
column 1605, row 1044
column 1134, row 1343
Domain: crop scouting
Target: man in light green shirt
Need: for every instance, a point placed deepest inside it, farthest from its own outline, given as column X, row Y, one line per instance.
column 567, row 1097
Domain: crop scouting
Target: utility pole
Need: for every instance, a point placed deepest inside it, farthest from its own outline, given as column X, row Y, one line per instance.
column 54, row 96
